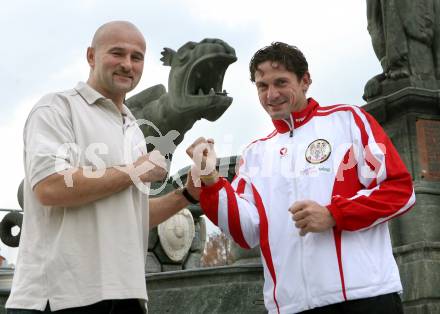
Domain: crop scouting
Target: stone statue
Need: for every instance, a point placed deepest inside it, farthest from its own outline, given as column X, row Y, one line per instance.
column 194, row 92
column 406, row 39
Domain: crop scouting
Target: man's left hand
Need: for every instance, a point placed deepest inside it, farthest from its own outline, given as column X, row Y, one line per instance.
column 309, row 216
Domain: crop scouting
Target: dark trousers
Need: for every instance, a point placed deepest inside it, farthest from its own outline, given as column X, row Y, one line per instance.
column 129, row 306
column 382, row 304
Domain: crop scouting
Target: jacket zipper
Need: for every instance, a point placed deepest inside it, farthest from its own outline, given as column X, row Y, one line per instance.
column 290, row 125
column 301, row 239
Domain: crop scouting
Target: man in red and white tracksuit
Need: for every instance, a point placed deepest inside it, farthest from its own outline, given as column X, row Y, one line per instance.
column 316, row 195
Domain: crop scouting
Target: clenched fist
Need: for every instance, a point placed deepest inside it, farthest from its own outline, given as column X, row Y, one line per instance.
column 151, row 167
column 309, row 216
column 204, row 157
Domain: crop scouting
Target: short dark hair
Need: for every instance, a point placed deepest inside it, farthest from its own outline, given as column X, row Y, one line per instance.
column 290, row 56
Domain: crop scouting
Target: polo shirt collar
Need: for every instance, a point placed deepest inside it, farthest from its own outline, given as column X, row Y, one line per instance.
column 126, row 112
column 91, row 96
column 88, row 93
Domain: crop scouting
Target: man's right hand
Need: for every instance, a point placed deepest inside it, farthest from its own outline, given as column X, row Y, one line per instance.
column 151, row 167
column 204, row 157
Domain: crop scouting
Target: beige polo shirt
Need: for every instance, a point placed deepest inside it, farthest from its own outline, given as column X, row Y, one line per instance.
column 81, row 255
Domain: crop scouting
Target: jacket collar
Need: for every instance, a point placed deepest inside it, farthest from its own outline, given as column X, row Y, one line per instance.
column 299, row 118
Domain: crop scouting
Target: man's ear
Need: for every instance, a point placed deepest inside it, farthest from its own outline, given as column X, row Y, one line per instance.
column 91, row 56
column 306, row 80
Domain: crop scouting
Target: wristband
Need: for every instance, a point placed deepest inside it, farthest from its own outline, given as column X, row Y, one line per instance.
column 188, row 196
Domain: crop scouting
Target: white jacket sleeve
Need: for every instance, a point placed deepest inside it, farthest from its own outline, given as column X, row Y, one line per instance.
column 231, row 206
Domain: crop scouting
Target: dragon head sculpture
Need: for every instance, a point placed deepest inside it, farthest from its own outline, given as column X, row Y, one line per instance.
column 195, row 91
column 196, row 76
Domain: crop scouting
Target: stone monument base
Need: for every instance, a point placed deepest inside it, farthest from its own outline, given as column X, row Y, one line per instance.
column 411, row 118
column 214, row 290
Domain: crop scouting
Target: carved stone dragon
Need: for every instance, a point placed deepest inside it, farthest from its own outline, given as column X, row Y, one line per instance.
column 194, row 92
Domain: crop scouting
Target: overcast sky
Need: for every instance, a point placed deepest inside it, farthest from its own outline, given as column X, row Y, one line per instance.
column 44, row 44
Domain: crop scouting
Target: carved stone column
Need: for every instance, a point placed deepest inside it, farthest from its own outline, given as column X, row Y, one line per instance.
column 411, row 118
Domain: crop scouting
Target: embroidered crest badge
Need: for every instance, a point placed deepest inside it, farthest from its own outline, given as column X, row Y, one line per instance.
column 318, row 151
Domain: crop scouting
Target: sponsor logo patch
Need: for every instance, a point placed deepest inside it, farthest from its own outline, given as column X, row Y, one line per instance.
column 283, row 151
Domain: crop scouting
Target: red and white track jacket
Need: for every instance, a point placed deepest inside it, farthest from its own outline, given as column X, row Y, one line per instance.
column 340, row 157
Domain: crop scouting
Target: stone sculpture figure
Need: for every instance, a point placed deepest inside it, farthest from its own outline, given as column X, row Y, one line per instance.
column 406, row 39
column 194, row 92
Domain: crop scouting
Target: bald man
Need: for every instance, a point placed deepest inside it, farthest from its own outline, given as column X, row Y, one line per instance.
column 85, row 231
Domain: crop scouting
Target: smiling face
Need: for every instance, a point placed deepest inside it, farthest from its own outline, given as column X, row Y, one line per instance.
column 280, row 91
column 116, row 60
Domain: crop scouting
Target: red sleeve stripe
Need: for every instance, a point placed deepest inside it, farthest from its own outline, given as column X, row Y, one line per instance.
column 241, row 186
column 264, row 241
column 209, row 200
column 409, row 204
column 326, row 108
column 234, row 218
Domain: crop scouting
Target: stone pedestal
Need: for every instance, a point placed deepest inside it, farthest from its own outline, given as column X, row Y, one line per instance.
column 411, row 118
column 214, row 290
